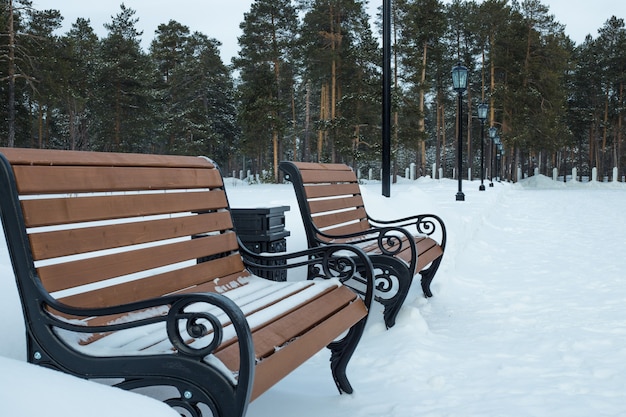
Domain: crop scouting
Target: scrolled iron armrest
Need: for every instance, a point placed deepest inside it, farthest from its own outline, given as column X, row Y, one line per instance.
column 425, row 224
column 387, row 240
column 176, row 305
column 195, row 328
column 337, row 260
column 386, row 237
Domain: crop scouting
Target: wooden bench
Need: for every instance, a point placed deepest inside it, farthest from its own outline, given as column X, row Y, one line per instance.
column 332, row 210
column 105, row 251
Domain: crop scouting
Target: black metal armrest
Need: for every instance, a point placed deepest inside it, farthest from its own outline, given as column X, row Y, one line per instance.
column 425, row 224
column 196, row 322
column 340, row 261
column 386, row 237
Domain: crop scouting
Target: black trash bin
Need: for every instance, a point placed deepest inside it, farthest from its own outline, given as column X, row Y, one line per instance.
column 261, row 230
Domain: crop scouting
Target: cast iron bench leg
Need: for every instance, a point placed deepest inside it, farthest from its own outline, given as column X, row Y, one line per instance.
column 428, row 275
column 387, row 269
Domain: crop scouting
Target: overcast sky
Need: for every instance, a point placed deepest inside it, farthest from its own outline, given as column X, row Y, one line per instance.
column 220, row 19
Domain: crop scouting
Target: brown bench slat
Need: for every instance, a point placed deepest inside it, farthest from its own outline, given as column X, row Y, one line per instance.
column 196, row 278
column 304, row 166
column 339, row 231
column 46, row 157
column 288, row 325
column 321, row 206
column 59, row 243
column 56, row 180
column 427, row 254
column 327, row 176
column 50, row 212
column 326, row 220
column 72, row 274
column 331, row 190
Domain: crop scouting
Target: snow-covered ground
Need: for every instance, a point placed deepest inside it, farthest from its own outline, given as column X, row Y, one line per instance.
column 528, row 317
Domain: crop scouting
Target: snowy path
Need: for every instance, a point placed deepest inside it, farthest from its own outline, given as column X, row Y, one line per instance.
column 528, row 317
column 541, row 317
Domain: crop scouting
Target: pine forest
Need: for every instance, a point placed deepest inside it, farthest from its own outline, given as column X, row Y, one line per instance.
column 306, row 84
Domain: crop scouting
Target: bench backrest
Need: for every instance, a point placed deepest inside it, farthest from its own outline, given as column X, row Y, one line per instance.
column 105, row 229
column 329, row 197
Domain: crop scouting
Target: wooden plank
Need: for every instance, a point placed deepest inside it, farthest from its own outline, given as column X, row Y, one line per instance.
column 324, row 176
column 227, row 269
column 304, row 166
column 320, row 206
column 60, row 243
column 336, row 218
column 345, row 230
column 66, row 275
column 85, row 179
column 428, row 250
column 22, row 156
column 331, row 190
column 56, row 211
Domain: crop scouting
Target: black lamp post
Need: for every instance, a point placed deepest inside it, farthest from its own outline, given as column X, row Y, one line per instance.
column 386, row 116
column 499, row 155
column 483, row 108
column 492, row 135
column 459, row 83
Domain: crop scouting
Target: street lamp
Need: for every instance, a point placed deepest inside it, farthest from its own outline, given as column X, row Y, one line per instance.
column 498, row 143
column 493, row 131
column 483, row 108
column 459, row 83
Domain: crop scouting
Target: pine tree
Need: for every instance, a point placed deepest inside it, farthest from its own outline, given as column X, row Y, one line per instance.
column 196, row 92
column 18, row 65
column 266, row 68
column 126, row 81
column 80, row 61
column 611, row 44
column 45, row 46
column 423, row 25
column 342, row 66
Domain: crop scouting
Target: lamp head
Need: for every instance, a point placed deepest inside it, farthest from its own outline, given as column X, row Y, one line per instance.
column 459, row 78
column 483, row 109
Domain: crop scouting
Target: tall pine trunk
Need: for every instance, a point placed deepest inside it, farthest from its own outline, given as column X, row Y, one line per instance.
column 422, row 121
column 11, row 76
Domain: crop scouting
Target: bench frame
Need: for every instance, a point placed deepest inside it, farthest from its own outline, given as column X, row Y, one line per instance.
column 393, row 249
column 196, row 382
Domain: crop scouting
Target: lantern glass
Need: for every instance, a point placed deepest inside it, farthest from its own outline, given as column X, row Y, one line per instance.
column 459, row 78
column 493, row 131
column 483, row 108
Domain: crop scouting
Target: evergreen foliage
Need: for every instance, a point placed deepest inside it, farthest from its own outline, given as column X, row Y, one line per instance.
column 306, row 85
